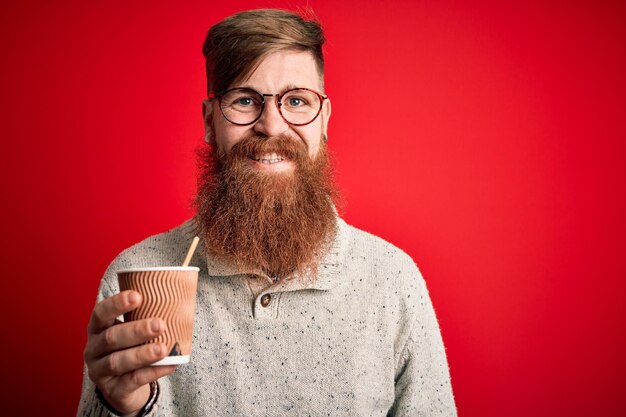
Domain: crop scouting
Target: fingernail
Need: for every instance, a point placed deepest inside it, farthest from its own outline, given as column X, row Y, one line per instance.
column 156, row 349
column 155, row 325
column 133, row 297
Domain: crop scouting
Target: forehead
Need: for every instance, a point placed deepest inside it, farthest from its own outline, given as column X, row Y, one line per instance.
column 281, row 70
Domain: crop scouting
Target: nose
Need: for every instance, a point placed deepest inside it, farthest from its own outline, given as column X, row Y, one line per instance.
column 271, row 123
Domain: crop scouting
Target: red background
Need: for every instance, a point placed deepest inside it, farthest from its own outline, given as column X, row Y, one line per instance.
column 487, row 140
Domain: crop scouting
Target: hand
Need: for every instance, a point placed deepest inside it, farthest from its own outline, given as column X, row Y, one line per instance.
column 116, row 358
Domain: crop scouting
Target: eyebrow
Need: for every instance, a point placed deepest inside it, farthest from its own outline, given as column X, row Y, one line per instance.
column 291, row 86
column 282, row 90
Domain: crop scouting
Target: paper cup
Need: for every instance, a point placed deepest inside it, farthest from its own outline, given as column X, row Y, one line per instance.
column 168, row 293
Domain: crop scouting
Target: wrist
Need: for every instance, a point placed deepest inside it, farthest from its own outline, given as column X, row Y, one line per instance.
column 152, row 398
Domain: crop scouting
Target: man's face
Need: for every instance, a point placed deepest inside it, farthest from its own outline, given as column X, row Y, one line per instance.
column 278, row 72
column 257, row 210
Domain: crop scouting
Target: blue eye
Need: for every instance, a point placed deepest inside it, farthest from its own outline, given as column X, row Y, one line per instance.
column 295, row 101
column 245, row 101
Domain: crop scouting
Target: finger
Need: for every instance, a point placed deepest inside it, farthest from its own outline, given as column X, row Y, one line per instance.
column 139, row 377
column 105, row 312
column 123, row 336
column 91, row 347
column 122, row 361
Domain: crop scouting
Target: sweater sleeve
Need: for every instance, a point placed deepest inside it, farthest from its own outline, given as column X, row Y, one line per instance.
column 89, row 405
column 422, row 382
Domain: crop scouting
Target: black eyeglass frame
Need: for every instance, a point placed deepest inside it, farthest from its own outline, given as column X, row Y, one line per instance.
column 279, row 104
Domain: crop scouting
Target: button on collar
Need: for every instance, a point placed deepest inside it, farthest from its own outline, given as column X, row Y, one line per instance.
column 266, row 299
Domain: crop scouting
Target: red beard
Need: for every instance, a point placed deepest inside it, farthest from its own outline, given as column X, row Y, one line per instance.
column 280, row 223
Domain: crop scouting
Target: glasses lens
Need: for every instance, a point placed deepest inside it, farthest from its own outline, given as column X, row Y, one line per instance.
column 241, row 105
column 300, row 106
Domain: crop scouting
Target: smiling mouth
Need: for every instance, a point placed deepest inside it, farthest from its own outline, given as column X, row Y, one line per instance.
column 268, row 158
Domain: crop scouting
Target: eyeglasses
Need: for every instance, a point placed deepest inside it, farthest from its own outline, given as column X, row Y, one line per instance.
column 244, row 106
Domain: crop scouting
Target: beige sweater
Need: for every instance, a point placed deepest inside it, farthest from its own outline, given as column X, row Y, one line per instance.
column 359, row 340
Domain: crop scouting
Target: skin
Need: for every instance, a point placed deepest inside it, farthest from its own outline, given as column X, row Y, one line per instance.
column 278, row 72
column 116, row 358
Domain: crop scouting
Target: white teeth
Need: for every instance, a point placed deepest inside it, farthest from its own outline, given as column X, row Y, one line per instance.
column 269, row 158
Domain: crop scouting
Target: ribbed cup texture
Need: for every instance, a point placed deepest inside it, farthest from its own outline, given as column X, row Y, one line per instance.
column 169, row 295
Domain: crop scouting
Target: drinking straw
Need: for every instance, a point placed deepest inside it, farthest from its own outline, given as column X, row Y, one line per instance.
column 192, row 249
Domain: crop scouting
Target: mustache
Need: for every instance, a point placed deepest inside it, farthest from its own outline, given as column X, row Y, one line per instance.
column 251, row 146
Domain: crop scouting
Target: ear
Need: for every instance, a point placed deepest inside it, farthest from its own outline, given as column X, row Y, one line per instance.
column 207, row 117
column 326, row 110
column 207, row 113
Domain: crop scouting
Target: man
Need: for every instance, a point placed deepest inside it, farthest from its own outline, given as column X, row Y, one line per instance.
column 298, row 313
